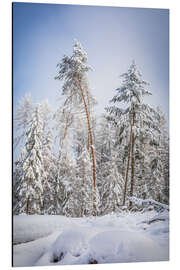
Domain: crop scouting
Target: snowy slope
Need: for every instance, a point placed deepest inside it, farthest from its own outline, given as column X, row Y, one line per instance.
column 128, row 237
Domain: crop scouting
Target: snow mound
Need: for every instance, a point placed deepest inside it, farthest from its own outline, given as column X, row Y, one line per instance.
column 123, row 246
column 78, row 247
column 29, row 228
column 70, row 246
column 71, row 241
column 57, row 240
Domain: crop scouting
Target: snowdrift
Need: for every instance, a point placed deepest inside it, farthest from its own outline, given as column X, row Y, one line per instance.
column 128, row 237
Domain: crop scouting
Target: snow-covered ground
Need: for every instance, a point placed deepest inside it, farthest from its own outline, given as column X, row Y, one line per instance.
column 128, row 237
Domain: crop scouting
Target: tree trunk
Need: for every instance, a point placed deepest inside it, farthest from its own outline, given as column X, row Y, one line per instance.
column 92, row 148
column 132, row 163
column 127, row 169
column 27, row 206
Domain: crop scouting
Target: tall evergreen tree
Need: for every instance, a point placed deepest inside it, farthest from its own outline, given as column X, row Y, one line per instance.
column 30, row 187
column 138, row 114
column 73, row 70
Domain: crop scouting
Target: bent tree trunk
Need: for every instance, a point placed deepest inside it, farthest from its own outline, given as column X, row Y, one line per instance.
column 128, row 163
column 91, row 146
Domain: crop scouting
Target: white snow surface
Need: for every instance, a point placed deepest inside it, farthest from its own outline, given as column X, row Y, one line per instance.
column 56, row 240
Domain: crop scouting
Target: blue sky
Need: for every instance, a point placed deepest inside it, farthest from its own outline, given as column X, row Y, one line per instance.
column 112, row 37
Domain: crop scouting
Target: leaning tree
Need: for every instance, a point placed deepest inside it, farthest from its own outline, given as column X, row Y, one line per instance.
column 73, row 71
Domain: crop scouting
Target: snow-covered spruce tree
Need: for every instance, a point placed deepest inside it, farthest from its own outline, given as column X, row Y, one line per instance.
column 75, row 177
column 158, row 156
column 104, row 139
column 22, row 119
column 69, row 203
column 84, row 179
column 143, row 170
column 50, row 205
column 17, row 175
column 119, row 121
column 73, row 70
column 156, row 181
column 77, row 180
column 109, row 167
column 21, row 123
column 152, row 162
column 111, row 191
column 49, row 161
column 164, row 153
column 139, row 115
column 150, row 155
column 30, row 187
column 80, row 198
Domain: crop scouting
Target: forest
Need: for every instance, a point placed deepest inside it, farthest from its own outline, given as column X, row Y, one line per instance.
column 76, row 164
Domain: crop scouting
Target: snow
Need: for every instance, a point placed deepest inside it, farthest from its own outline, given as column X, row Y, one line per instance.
column 149, row 202
column 124, row 246
column 29, row 253
column 29, row 228
column 57, row 240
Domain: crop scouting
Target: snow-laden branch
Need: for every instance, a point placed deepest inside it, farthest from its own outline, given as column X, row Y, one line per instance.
column 140, row 202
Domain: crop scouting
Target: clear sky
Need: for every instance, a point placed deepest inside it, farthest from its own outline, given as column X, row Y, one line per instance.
column 112, row 38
